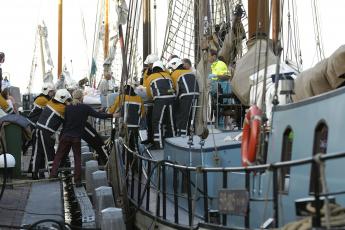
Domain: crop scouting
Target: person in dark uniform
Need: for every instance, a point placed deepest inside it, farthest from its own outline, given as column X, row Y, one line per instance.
column 48, row 123
column 150, row 59
column 40, row 102
column 76, row 115
column 159, row 87
column 187, row 91
column 4, row 105
column 131, row 107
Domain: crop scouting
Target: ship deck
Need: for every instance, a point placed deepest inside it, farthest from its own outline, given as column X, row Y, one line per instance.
column 25, row 201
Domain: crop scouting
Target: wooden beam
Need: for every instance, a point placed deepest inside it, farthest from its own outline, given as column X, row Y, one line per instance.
column 258, row 20
column 146, row 28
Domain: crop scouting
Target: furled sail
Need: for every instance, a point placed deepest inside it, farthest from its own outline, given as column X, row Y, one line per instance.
column 252, row 62
column 326, row 75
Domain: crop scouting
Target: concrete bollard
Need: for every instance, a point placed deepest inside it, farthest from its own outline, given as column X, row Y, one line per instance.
column 103, row 199
column 86, row 156
column 85, row 149
column 83, row 143
column 98, row 179
column 112, row 219
column 90, row 167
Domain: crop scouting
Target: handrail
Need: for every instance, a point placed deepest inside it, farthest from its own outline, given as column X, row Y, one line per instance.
column 315, row 158
column 142, row 197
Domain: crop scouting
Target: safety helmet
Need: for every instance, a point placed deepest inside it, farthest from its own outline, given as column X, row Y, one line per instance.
column 72, row 85
column 159, row 64
column 10, row 161
column 62, row 95
column 150, row 59
column 174, row 63
column 47, row 87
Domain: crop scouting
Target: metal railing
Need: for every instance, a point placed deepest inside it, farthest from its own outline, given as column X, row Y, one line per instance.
column 156, row 187
column 159, row 170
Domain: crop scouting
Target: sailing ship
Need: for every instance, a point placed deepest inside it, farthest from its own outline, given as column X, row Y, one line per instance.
column 274, row 174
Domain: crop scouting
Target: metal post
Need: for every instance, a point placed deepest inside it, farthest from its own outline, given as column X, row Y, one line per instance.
column 158, row 199
column 217, row 107
column 148, row 187
column 247, row 217
column 316, row 223
column 139, row 180
column 164, row 192
column 175, row 185
column 205, row 196
column 275, row 197
column 225, row 185
column 132, row 176
column 189, row 198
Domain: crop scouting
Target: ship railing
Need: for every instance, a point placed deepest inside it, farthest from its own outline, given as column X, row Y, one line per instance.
column 156, row 173
column 102, row 126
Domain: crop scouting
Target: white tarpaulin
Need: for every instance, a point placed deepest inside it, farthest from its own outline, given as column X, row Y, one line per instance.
column 256, row 88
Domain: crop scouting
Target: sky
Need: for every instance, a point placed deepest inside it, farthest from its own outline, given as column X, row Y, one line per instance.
column 19, row 20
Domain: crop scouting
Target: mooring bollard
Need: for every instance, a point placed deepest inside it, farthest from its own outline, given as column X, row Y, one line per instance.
column 98, row 179
column 103, row 199
column 90, row 167
column 112, row 219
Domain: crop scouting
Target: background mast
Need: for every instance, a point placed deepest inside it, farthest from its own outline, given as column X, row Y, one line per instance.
column 60, row 40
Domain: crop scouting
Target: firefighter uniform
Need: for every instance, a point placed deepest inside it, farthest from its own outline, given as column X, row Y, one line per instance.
column 159, row 87
column 187, row 91
column 39, row 103
column 4, row 105
column 48, row 123
column 131, row 108
column 94, row 140
column 148, row 107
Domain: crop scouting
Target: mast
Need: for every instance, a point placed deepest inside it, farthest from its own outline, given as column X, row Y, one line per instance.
column 275, row 22
column 146, row 28
column 60, row 40
column 258, row 20
column 106, row 30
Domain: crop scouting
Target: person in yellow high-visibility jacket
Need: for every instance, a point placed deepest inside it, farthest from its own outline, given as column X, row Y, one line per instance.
column 219, row 70
column 219, row 78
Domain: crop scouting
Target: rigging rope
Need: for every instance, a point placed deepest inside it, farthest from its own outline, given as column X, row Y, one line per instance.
column 317, row 31
column 293, row 49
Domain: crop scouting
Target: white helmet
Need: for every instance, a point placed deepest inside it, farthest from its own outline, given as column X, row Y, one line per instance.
column 72, row 85
column 62, row 95
column 10, row 161
column 159, row 64
column 174, row 63
column 48, row 86
column 150, row 59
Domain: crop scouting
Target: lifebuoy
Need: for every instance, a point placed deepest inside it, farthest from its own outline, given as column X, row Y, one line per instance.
column 250, row 135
